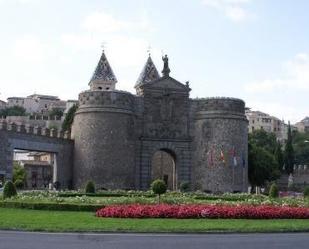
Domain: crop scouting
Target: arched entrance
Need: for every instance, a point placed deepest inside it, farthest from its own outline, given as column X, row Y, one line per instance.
column 163, row 166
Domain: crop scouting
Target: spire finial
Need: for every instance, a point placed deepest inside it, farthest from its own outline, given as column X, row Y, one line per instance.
column 166, row 71
column 149, row 50
column 103, row 46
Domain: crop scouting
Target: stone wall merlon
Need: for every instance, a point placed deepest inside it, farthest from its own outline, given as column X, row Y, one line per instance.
column 34, row 130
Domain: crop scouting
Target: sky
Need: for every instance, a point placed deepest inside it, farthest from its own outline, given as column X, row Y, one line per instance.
column 256, row 50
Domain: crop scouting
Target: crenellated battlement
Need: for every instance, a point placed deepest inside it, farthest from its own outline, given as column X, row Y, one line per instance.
column 106, row 100
column 34, row 130
column 220, row 106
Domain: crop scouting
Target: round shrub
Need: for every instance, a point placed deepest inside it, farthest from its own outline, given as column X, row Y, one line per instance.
column 90, row 188
column 19, row 184
column 9, row 190
column 306, row 192
column 158, row 187
column 274, row 191
column 184, row 187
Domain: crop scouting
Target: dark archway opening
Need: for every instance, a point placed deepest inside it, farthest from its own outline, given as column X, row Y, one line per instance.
column 163, row 166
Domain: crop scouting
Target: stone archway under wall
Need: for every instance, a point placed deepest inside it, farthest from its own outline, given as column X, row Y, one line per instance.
column 164, row 167
column 180, row 150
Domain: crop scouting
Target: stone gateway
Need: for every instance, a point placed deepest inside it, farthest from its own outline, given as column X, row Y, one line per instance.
column 125, row 141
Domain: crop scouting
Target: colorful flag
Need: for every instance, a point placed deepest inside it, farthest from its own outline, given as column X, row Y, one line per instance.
column 234, row 157
column 222, row 158
column 210, row 157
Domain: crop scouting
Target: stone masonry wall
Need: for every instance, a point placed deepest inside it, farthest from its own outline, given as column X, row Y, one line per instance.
column 104, row 136
column 220, row 132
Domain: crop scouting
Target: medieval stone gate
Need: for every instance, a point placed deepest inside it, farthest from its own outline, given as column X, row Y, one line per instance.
column 28, row 138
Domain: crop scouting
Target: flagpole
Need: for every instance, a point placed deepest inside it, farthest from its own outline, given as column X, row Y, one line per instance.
column 233, row 176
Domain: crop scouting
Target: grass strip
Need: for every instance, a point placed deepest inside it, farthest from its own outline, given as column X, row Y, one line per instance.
column 69, row 221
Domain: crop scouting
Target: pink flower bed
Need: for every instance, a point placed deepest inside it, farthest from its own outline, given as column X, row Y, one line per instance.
column 203, row 211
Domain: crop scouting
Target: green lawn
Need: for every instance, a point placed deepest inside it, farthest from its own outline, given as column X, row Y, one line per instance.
column 64, row 221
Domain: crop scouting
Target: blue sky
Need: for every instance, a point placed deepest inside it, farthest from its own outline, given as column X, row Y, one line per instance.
column 257, row 50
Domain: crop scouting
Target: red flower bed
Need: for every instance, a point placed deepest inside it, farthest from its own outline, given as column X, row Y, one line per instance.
column 203, row 211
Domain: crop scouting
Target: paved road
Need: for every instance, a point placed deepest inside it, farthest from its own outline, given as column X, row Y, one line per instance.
column 27, row 240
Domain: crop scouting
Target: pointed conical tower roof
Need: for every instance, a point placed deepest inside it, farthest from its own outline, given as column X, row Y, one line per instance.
column 103, row 77
column 148, row 74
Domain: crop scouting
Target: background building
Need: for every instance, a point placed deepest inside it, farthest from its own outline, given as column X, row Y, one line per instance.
column 262, row 121
column 303, row 125
column 37, row 103
column 2, row 104
column 38, row 167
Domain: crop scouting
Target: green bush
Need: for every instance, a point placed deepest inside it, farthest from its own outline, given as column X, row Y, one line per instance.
column 306, row 192
column 9, row 190
column 158, row 187
column 19, row 184
column 274, row 191
column 90, row 188
column 184, row 187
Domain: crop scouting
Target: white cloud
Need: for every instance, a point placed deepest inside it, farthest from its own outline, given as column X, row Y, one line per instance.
column 295, row 75
column 235, row 10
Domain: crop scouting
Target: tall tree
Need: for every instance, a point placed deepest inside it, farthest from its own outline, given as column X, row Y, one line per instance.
column 262, row 166
column 289, row 152
column 279, row 156
column 301, row 148
column 263, row 139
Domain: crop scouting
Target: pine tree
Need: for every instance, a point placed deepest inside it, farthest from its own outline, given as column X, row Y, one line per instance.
column 279, row 156
column 289, row 152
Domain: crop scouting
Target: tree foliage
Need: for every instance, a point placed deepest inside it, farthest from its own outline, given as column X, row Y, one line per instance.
column 279, row 156
column 13, row 111
column 264, row 139
column 158, row 187
column 9, row 190
column 289, row 152
column 274, row 191
column 263, row 158
column 68, row 120
column 56, row 112
column 301, row 148
column 262, row 165
column 19, row 176
column 90, row 187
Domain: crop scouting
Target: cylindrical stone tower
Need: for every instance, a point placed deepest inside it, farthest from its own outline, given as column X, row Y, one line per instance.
column 103, row 131
column 220, row 145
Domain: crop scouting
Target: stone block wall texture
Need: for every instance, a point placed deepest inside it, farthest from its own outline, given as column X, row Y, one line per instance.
column 220, row 127
column 103, row 131
column 62, row 148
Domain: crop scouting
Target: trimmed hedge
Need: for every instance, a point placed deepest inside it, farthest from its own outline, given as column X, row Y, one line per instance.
column 9, row 190
column 90, row 187
column 225, row 198
column 107, row 194
column 51, row 206
column 274, row 191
